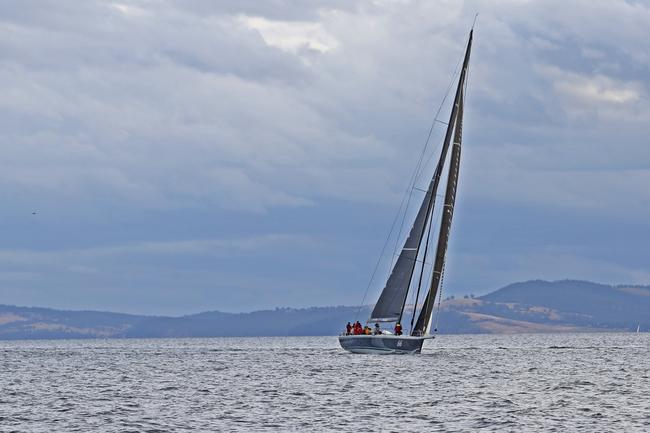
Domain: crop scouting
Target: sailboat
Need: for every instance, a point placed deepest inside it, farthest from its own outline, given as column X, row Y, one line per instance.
column 392, row 302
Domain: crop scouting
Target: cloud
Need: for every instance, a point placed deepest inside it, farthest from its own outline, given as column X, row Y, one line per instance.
column 153, row 276
column 148, row 248
column 292, row 36
column 597, row 96
column 598, row 89
column 177, row 121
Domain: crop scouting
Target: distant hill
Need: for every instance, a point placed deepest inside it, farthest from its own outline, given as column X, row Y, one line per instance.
column 559, row 306
column 281, row 321
column 581, row 303
column 532, row 306
column 45, row 323
column 36, row 323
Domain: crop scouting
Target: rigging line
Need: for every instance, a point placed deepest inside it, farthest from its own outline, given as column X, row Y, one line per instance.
column 453, row 80
column 442, row 280
column 424, row 260
column 409, row 193
column 467, row 76
column 428, row 275
column 455, row 73
column 433, row 221
column 467, row 72
column 419, row 165
column 433, row 154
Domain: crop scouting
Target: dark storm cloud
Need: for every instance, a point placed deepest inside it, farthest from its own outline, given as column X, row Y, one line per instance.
column 141, row 126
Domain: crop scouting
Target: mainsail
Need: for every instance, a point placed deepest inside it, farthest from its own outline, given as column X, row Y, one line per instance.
column 390, row 305
column 450, row 200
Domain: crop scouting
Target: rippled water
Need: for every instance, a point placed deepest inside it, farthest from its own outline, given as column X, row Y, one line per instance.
column 536, row 383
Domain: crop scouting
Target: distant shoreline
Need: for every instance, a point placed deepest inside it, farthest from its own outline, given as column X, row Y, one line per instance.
column 531, row 307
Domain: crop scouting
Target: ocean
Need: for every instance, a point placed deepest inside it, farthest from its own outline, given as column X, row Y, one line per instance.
column 460, row 383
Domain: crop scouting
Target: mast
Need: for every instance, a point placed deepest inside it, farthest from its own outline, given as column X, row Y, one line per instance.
column 391, row 303
column 450, row 195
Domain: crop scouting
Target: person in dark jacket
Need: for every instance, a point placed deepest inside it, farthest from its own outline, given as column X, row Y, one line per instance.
column 348, row 329
column 398, row 328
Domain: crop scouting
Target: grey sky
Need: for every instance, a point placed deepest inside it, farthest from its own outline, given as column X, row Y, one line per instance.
column 194, row 155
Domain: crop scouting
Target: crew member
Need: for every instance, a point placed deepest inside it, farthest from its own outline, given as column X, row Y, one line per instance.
column 398, row 328
column 348, row 329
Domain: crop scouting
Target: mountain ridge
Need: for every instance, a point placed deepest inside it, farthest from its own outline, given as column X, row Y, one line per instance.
column 530, row 306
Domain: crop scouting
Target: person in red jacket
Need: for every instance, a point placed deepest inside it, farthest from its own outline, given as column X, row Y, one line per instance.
column 398, row 328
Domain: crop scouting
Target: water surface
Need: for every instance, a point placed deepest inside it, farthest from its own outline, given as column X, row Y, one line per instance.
column 463, row 383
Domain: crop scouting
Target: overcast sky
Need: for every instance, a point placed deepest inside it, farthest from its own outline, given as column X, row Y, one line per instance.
column 195, row 155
